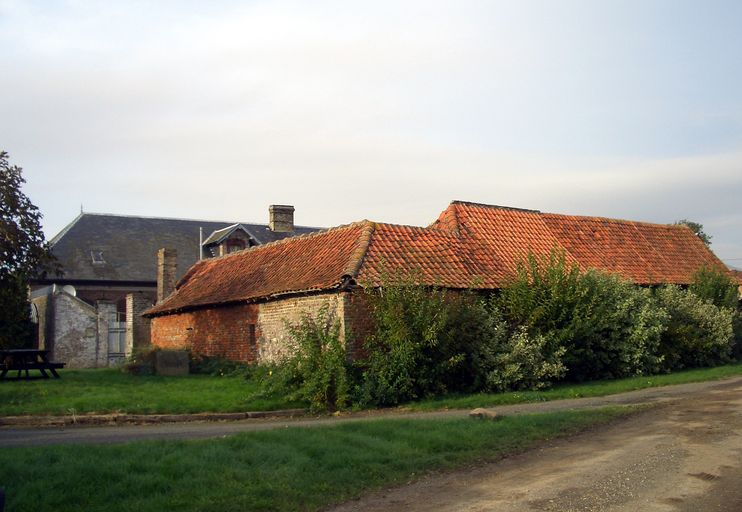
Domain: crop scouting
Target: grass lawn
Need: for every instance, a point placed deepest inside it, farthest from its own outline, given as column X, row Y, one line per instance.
column 586, row 389
column 288, row 469
column 110, row 390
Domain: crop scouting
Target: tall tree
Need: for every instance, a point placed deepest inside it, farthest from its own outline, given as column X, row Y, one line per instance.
column 697, row 229
column 24, row 253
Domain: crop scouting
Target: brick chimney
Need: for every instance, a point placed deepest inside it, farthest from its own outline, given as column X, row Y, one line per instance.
column 281, row 218
column 167, row 270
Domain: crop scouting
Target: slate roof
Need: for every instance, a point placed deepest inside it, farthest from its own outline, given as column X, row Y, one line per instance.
column 129, row 245
column 469, row 246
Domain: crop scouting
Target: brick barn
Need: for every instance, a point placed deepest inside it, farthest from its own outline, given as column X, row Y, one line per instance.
column 237, row 306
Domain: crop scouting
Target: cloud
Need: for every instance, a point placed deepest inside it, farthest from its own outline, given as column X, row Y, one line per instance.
column 384, row 110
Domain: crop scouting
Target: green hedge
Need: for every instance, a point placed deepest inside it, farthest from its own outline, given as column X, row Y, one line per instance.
column 550, row 322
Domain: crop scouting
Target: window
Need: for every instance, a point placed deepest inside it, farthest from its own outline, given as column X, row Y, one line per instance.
column 234, row 245
column 251, row 334
column 97, row 257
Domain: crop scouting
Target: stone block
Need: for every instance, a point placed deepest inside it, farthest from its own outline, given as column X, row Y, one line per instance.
column 171, row 362
column 484, row 414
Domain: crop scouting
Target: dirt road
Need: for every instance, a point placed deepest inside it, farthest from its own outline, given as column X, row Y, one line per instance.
column 684, row 455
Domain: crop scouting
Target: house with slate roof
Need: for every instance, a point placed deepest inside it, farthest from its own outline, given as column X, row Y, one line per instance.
column 110, row 265
column 237, row 306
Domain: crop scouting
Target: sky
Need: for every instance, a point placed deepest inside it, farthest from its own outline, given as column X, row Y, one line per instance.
column 377, row 110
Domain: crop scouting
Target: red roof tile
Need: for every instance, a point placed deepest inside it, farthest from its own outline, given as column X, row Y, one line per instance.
column 470, row 245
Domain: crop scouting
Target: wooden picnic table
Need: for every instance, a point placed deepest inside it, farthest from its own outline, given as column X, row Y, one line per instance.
column 25, row 359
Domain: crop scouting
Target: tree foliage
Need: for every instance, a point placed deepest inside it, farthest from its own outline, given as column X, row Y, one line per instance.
column 23, row 253
column 697, row 229
column 714, row 285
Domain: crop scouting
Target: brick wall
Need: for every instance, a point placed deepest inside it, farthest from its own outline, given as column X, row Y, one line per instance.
column 225, row 331
column 275, row 316
column 137, row 327
column 358, row 322
column 245, row 332
column 75, row 332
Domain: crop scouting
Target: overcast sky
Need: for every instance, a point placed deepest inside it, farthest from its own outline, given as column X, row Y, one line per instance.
column 378, row 110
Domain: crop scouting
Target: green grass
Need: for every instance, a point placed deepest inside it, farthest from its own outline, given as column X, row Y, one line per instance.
column 287, row 469
column 110, row 390
column 587, row 389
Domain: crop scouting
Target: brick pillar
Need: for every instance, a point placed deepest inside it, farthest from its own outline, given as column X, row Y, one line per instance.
column 167, row 269
column 137, row 327
column 106, row 314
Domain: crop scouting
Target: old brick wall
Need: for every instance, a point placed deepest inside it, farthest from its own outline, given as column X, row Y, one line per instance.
column 226, row 331
column 358, row 322
column 274, row 341
column 137, row 327
column 260, row 332
column 75, row 332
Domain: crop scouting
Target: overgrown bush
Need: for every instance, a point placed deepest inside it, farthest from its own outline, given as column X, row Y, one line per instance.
column 141, row 361
column 523, row 362
column 215, row 366
column 698, row 332
column 317, row 370
column 491, row 356
column 608, row 327
column 406, row 358
column 551, row 321
column 711, row 284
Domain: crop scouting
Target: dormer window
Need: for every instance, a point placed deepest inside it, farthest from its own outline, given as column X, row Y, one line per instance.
column 97, row 257
column 227, row 240
column 234, row 245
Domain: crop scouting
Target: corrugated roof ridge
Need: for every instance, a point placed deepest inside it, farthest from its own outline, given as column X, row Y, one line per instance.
column 358, row 256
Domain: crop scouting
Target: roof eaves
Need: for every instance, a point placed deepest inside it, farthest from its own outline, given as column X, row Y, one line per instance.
column 156, row 311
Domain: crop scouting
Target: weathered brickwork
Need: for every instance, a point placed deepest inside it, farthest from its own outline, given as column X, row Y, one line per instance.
column 137, row 327
column 75, row 336
column 358, row 322
column 217, row 332
column 274, row 318
column 246, row 332
column 167, row 272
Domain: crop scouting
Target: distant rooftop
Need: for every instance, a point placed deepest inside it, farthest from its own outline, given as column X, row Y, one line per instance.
column 109, row 247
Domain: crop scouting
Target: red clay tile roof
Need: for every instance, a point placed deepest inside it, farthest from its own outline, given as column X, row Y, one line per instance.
column 470, row 245
column 317, row 261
